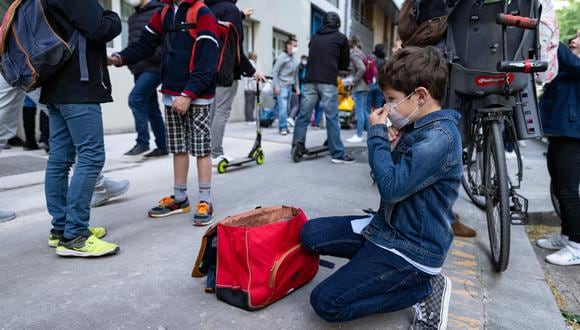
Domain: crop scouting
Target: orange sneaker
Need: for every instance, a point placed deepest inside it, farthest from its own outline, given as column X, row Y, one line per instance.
column 204, row 214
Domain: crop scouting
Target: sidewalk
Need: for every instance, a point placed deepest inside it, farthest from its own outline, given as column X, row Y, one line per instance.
column 148, row 285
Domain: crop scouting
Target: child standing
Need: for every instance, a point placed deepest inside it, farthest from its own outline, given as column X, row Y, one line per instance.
column 187, row 95
column 396, row 256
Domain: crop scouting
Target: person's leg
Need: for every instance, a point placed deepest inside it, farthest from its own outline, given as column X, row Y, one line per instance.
column 153, row 113
column 60, row 160
column 330, row 104
column 332, row 236
column 373, row 281
column 11, row 102
column 318, row 113
column 137, row 102
column 29, row 122
column 44, row 128
column 85, row 125
column 219, row 116
column 360, row 107
column 309, row 102
column 249, row 104
column 283, row 102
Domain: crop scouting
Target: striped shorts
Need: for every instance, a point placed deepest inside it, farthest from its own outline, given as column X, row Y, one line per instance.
column 189, row 133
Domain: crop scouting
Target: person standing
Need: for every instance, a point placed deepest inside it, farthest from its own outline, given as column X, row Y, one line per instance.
column 250, row 93
column 360, row 89
column 226, row 11
column 76, row 127
column 560, row 108
column 285, row 79
column 376, row 99
column 143, row 98
column 328, row 53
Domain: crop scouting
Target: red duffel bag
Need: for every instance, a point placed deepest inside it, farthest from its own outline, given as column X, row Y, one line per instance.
column 259, row 258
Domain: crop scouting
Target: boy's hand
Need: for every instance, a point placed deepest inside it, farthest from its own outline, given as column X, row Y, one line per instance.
column 379, row 116
column 113, row 60
column 394, row 137
column 181, row 104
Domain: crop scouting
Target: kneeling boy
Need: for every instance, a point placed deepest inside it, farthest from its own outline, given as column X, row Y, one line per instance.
column 396, row 255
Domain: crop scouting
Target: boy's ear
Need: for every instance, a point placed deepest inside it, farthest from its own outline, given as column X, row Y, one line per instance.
column 423, row 94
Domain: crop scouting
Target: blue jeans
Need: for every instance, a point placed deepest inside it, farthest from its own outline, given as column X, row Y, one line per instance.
column 283, row 102
column 318, row 112
column 360, row 108
column 376, row 99
column 76, row 131
column 328, row 95
column 143, row 103
column 373, row 281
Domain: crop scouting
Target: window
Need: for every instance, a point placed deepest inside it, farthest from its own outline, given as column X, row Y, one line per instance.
column 106, row 4
column 333, row 2
column 126, row 11
column 316, row 20
column 248, row 37
column 279, row 43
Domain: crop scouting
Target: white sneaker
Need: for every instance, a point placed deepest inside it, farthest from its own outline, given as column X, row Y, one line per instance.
column 568, row 256
column 355, row 139
column 291, row 122
column 216, row 160
column 553, row 242
column 251, row 123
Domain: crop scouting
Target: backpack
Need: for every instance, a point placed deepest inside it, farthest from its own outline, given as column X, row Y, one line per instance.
column 228, row 38
column 255, row 258
column 371, row 70
column 31, row 50
column 423, row 29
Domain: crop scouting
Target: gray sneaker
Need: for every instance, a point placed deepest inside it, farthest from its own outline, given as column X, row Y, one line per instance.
column 110, row 189
column 432, row 312
column 6, row 215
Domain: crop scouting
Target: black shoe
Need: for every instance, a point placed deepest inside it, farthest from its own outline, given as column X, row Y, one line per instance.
column 136, row 151
column 30, row 145
column 155, row 153
column 16, row 142
column 432, row 312
column 346, row 159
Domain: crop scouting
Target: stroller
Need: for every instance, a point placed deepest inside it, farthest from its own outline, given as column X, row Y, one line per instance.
column 493, row 52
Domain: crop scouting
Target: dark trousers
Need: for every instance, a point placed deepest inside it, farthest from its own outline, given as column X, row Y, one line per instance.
column 564, row 168
column 373, row 281
column 249, row 105
column 143, row 102
column 29, row 123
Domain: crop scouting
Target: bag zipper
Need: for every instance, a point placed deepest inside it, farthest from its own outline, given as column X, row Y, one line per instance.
column 277, row 264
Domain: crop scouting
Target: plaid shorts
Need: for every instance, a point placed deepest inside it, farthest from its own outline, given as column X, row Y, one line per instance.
column 189, row 133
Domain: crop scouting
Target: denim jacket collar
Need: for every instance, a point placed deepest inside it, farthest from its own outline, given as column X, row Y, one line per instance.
column 437, row 116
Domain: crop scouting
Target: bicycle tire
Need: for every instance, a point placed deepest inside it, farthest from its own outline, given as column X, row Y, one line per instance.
column 497, row 197
column 468, row 177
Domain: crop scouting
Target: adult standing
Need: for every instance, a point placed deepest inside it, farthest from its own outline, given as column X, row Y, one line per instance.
column 226, row 10
column 376, row 99
column 250, row 93
column 328, row 53
column 360, row 89
column 560, row 107
column 76, row 127
column 285, row 79
column 143, row 98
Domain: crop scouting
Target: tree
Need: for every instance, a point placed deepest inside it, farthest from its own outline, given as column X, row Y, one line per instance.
column 569, row 20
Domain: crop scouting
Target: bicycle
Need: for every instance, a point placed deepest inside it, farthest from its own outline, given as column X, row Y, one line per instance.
column 491, row 82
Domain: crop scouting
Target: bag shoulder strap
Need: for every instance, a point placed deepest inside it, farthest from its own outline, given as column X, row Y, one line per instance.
column 7, row 23
column 190, row 19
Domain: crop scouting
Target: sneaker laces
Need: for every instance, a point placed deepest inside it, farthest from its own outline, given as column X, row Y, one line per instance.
column 203, row 208
column 166, row 201
column 557, row 239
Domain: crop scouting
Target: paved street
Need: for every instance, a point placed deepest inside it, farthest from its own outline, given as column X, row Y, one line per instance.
column 148, row 284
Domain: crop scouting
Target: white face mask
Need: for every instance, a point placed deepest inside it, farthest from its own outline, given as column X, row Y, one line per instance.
column 304, row 62
column 294, row 50
column 133, row 3
column 399, row 121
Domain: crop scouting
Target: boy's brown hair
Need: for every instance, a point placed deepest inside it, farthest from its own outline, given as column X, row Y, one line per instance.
column 413, row 67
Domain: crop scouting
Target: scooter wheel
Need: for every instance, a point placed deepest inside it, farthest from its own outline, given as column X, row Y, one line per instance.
column 296, row 154
column 260, row 158
column 222, row 166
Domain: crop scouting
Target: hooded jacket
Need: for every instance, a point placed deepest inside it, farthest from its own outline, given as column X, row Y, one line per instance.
column 99, row 26
column 226, row 11
column 137, row 22
column 329, row 52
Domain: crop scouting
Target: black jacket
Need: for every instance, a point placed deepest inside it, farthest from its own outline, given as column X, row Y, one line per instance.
column 99, row 27
column 137, row 23
column 329, row 52
column 226, row 11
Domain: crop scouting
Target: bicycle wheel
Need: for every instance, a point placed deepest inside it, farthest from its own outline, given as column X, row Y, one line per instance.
column 472, row 176
column 497, row 197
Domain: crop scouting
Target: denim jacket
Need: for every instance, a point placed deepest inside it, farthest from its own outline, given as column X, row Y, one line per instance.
column 418, row 183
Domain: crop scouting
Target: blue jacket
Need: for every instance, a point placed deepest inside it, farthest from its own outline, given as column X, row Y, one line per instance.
column 418, row 183
column 560, row 104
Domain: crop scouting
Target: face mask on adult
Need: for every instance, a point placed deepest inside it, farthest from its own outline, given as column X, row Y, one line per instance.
column 397, row 120
column 133, row 3
column 304, row 62
column 294, row 50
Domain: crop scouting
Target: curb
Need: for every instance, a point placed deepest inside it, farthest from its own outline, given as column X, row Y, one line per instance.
column 548, row 218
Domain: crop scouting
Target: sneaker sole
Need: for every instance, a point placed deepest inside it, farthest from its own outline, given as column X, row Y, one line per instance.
column 179, row 211
column 8, row 219
column 202, row 224
column 338, row 161
column 553, row 262
column 54, row 245
column 137, row 155
column 73, row 253
column 549, row 248
column 444, row 313
column 117, row 194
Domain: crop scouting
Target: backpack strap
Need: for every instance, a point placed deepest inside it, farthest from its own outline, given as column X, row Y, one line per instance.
column 84, row 66
column 190, row 19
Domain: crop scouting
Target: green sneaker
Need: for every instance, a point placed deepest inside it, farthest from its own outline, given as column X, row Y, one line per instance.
column 99, row 232
column 86, row 247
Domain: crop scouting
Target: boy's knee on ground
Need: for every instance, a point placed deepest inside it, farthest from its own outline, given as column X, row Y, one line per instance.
column 323, row 305
column 308, row 237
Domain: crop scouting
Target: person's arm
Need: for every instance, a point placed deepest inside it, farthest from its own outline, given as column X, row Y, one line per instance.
column 205, row 57
column 568, row 61
column 344, row 59
column 90, row 18
column 360, row 68
column 416, row 170
column 276, row 72
column 234, row 17
column 297, row 79
column 147, row 45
